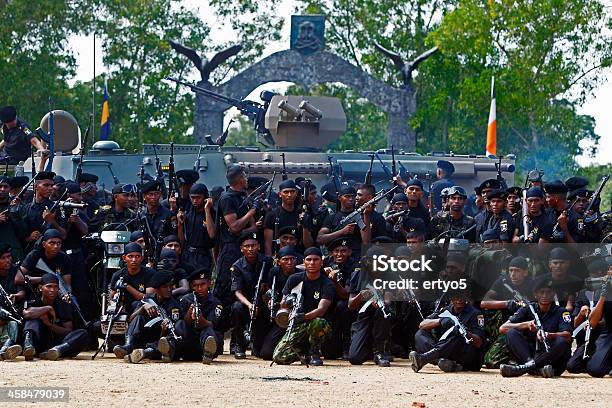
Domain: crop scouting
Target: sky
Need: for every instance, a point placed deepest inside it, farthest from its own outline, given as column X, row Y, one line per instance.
column 597, row 106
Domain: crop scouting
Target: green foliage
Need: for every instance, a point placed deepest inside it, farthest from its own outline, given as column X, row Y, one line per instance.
column 241, row 134
column 594, row 174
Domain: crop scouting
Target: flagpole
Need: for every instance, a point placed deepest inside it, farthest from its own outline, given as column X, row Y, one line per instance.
column 93, row 92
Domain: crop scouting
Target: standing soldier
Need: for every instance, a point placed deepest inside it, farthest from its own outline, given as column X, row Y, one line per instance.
column 13, row 228
column 538, row 335
column 39, row 218
column 157, row 217
column 200, row 338
column 196, row 229
column 17, row 138
column 444, row 172
column 309, row 294
column 399, row 221
column 48, row 327
column 186, row 180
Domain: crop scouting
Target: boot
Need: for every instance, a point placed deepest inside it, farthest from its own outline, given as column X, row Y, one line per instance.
column 380, row 360
column 239, row 350
column 167, row 347
column 56, row 352
column 449, row 366
column 419, row 360
column 28, row 346
column 315, row 355
column 138, row 355
column 208, row 350
column 512, row 370
column 9, row 350
column 547, row 371
column 124, row 350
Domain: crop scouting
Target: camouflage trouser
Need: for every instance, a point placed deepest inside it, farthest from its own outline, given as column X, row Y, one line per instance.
column 10, row 330
column 498, row 352
column 303, row 336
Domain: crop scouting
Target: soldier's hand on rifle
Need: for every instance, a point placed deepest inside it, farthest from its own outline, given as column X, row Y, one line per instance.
column 66, row 298
column 562, row 220
column 349, row 229
column 584, row 311
column 208, row 205
column 35, row 235
column 48, row 216
column 512, row 305
column 259, row 223
column 16, row 201
column 180, row 217
column 365, row 294
column 164, row 325
column 120, row 285
column 532, row 326
column 3, row 217
column 172, row 203
column 150, row 310
column 541, row 335
column 258, row 204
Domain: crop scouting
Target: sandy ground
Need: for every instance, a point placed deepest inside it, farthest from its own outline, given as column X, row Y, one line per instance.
column 227, row 382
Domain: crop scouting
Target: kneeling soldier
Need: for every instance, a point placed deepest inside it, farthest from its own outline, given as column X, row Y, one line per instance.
column 451, row 338
column 48, row 325
column 200, row 338
column 539, row 335
column 146, row 339
column 313, row 294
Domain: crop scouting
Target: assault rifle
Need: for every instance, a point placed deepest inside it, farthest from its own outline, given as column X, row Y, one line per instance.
column 462, row 330
column 541, row 333
column 162, row 316
column 356, row 215
column 112, row 312
column 255, row 303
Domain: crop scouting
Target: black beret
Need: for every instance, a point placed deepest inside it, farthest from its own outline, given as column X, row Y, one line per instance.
column 44, row 175
column 88, row 178
column 518, row 262
column 49, row 278
column 535, row 192
column 288, row 250
column 497, row 194
column 490, row 183
column 581, row 192
column 59, row 179
column 339, row 242
column 135, row 236
column 187, row 176
column 446, row 166
column 50, row 234
column 313, row 251
column 559, row 254
column 288, row 229
column 199, row 189
column 170, row 238
column 18, row 181
column 399, row 198
column 543, row 282
column 72, row 187
column 8, row 114
column 347, row 190
column 381, row 239
column 161, row 278
column 202, row 273
column 574, row 183
column 246, row 236
column 414, row 182
column 287, row 184
column 478, row 190
column 255, row 181
column 489, row 235
column 167, row 253
column 555, row 187
column 132, row 247
column 515, row 190
column 233, row 171
column 151, row 186
column 4, row 248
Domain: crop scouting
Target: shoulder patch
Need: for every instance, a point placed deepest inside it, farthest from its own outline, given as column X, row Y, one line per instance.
column 566, row 317
column 175, row 314
column 218, row 311
column 481, row 321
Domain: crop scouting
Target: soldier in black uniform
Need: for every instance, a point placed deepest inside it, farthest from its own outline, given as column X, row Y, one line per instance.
column 566, row 285
column 119, row 212
column 365, row 192
column 168, row 261
column 17, row 138
column 399, row 221
column 9, row 328
column 414, row 192
column 201, row 340
column 539, row 224
column 39, row 218
column 48, row 330
column 89, row 190
column 245, row 277
column 499, row 303
column 513, row 203
column 233, row 218
column 441, row 341
column 455, row 221
column 444, row 172
column 156, row 341
column 526, row 342
column 285, row 215
column 332, row 230
column 196, row 229
column 186, row 180
column 172, row 242
column 13, row 228
column 556, row 203
column 51, row 255
column 496, row 217
column 157, row 218
column 339, row 268
column 277, row 278
column 136, row 278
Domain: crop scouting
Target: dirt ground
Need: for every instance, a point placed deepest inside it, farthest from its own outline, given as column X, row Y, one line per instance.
column 109, row 382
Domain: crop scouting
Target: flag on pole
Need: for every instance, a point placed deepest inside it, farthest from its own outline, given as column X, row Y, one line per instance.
column 105, row 127
column 492, row 126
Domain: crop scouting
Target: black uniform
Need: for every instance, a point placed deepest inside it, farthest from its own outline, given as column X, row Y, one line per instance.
column 34, row 217
column 14, row 230
column 60, row 263
column 443, row 222
column 539, row 227
column 600, row 362
column 108, row 215
column 523, row 344
column 198, row 243
column 578, row 364
column 454, row 346
column 244, row 278
column 160, row 223
column 193, row 338
column 332, row 222
column 140, row 282
column 42, row 336
column 503, row 224
column 397, row 231
column 17, row 142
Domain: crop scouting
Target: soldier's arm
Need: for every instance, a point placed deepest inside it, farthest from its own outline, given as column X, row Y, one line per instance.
column 505, row 328
column 268, row 238
column 324, row 304
column 182, row 288
column 356, row 300
column 62, row 330
column 32, row 313
column 235, row 224
column 242, row 299
column 489, row 302
column 210, row 220
column 429, row 324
